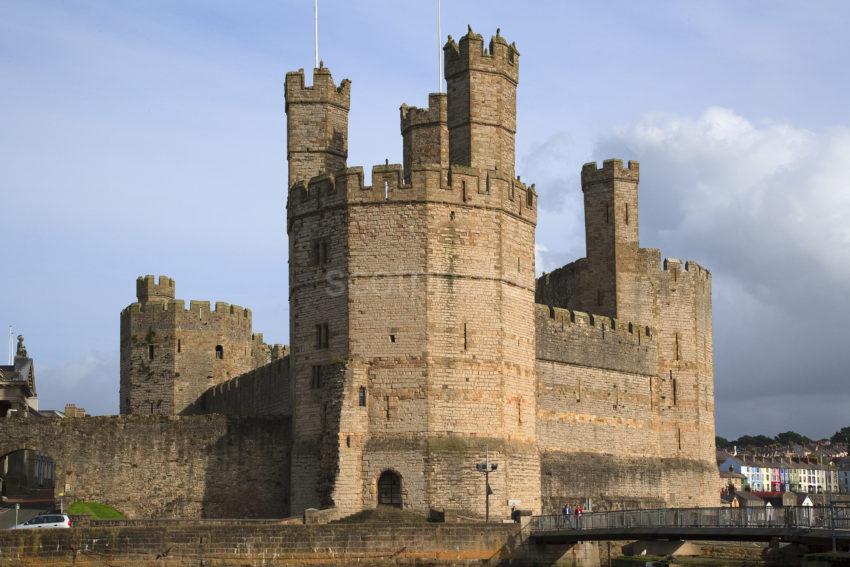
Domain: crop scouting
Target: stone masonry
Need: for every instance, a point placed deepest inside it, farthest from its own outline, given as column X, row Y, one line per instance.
column 418, row 292
column 209, row 466
column 170, row 355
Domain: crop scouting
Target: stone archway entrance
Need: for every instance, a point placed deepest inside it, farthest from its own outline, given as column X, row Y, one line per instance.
column 389, row 489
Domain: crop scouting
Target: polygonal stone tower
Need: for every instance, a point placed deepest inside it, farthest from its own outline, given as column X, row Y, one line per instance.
column 170, row 355
column 412, row 309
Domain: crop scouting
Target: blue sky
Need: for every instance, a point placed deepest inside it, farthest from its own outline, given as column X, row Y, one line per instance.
column 148, row 137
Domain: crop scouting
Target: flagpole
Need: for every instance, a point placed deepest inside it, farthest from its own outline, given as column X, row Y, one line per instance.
column 316, row 34
column 439, row 51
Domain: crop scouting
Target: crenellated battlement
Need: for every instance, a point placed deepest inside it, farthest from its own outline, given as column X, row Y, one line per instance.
column 611, row 170
column 469, row 54
column 148, row 288
column 412, row 116
column 615, row 329
column 197, row 308
column 688, row 268
column 574, row 337
column 323, row 89
column 461, row 185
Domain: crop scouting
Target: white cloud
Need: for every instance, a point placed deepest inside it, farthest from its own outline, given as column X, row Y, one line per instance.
column 766, row 208
column 90, row 381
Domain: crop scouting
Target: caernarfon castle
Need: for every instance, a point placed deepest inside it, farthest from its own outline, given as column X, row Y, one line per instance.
column 420, row 336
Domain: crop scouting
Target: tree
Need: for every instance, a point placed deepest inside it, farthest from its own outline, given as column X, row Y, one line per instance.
column 721, row 442
column 791, row 437
column 754, row 441
column 841, row 436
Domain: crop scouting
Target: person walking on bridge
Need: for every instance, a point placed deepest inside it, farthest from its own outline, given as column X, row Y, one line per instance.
column 566, row 511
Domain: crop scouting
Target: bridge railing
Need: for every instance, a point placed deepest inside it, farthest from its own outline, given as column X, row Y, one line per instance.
column 808, row 517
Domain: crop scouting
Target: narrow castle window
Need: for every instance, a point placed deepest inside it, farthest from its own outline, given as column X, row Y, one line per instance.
column 392, row 338
column 179, row 345
column 452, row 216
column 599, row 296
column 676, row 346
column 465, row 338
column 675, row 391
column 627, row 213
column 386, row 190
column 323, row 252
column 150, row 352
column 219, row 352
column 316, row 378
column 361, row 397
column 322, row 335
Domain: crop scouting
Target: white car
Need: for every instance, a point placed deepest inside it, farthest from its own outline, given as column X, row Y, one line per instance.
column 45, row 521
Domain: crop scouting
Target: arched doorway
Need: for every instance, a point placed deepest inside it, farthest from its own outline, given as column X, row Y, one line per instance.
column 389, row 489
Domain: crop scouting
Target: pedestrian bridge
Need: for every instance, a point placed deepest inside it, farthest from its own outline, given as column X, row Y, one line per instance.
column 791, row 524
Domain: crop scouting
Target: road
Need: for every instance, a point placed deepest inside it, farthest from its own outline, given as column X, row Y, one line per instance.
column 27, row 511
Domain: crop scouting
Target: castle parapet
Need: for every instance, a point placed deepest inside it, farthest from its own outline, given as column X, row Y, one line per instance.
column 687, row 268
column 149, row 289
column 575, row 337
column 611, row 170
column 323, row 89
column 461, row 185
column 469, row 54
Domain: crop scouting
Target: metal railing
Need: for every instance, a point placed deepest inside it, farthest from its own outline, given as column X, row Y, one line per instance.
column 804, row 517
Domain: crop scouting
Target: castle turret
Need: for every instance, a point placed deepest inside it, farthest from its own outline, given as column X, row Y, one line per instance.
column 481, row 89
column 316, row 124
column 425, row 134
column 149, row 289
column 611, row 232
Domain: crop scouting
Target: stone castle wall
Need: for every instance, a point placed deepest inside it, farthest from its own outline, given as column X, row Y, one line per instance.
column 423, row 312
column 603, row 418
column 156, row 466
column 669, row 413
column 171, row 355
column 260, row 392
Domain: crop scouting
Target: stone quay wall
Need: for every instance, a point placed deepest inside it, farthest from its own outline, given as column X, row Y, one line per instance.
column 248, row 545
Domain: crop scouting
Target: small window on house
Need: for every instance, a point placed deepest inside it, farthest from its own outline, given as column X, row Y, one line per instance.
column 361, row 398
column 219, row 352
column 316, row 378
column 150, row 352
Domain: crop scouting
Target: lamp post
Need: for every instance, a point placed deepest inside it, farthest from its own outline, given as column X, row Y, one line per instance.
column 831, row 506
column 486, row 467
